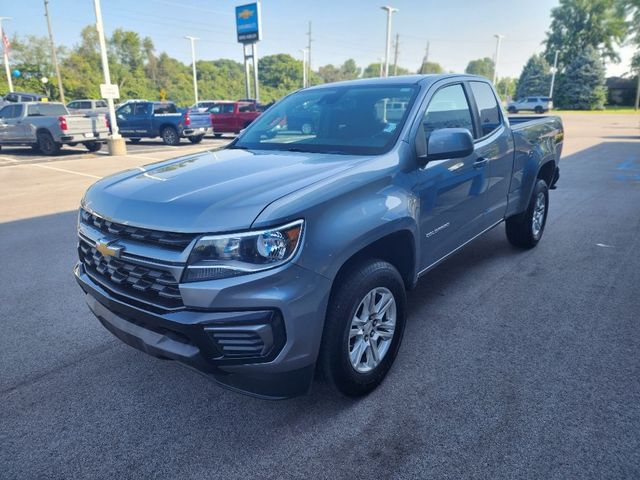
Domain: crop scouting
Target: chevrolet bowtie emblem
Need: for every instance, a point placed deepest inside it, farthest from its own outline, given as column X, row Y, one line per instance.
column 245, row 14
column 107, row 250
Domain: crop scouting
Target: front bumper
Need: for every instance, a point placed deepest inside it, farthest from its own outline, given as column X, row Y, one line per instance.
column 277, row 318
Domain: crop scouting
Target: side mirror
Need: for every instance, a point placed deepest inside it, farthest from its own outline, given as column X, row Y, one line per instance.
column 443, row 143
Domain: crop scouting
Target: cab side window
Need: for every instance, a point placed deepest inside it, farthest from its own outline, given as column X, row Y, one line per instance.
column 488, row 108
column 10, row 111
column 448, row 108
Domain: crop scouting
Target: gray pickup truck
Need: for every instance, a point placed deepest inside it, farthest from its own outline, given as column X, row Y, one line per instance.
column 47, row 126
column 289, row 253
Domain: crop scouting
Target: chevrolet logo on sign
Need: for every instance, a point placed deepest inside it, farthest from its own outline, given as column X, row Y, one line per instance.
column 244, row 14
column 107, row 250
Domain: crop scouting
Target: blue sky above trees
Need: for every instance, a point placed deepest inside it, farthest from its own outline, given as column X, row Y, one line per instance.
column 459, row 30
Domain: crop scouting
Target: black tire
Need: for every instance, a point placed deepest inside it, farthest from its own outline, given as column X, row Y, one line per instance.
column 538, row 110
column 93, row 146
column 134, row 140
column 217, row 135
column 196, row 139
column 521, row 229
column 334, row 360
column 35, row 148
column 512, row 110
column 306, row 128
column 170, row 136
column 47, row 145
column 72, row 144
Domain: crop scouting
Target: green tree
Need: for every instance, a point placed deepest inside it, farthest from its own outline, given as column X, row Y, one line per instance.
column 535, row 78
column 347, row 71
column 278, row 75
column 578, row 24
column 482, row 66
column 507, row 88
column 582, row 86
column 430, row 67
column 372, row 70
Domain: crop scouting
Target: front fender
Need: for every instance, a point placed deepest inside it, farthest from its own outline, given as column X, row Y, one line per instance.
column 346, row 214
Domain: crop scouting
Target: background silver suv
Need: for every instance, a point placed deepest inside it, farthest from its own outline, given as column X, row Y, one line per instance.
column 535, row 104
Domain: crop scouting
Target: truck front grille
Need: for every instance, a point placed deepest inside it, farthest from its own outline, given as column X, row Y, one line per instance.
column 122, row 278
column 169, row 240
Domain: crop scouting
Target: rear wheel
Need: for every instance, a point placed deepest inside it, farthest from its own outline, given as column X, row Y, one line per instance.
column 217, row 135
column 538, row 110
column 364, row 327
column 306, row 128
column 525, row 230
column 196, row 138
column 47, row 145
column 170, row 136
column 93, row 146
column 512, row 110
column 134, row 140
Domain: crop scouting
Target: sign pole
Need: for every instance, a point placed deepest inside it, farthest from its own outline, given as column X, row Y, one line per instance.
column 117, row 145
column 247, row 74
column 254, row 54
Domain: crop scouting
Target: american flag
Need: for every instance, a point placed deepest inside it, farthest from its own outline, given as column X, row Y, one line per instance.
column 5, row 42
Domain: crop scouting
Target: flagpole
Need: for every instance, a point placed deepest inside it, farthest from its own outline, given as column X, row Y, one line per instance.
column 5, row 44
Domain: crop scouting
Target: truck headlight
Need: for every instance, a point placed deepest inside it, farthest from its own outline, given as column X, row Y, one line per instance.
column 230, row 255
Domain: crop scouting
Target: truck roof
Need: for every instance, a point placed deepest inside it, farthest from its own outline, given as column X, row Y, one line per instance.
column 403, row 79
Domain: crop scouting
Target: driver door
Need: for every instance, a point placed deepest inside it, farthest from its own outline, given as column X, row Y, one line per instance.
column 452, row 192
column 11, row 123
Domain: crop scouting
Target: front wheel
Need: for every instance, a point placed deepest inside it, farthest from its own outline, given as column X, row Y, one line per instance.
column 196, row 139
column 539, row 110
column 364, row 326
column 512, row 110
column 134, row 140
column 525, row 230
column 170, row 136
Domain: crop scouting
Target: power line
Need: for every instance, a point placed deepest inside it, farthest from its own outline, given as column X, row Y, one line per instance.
column 53, row 51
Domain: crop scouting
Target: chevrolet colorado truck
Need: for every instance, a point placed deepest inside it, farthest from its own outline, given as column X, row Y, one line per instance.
column 47, row 126
column 286, row 254
column 139, row 119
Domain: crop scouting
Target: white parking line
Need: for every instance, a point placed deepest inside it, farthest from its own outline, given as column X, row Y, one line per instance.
column 60, row 170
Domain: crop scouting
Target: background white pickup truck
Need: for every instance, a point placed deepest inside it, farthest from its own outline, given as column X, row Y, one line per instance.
column 47, row 126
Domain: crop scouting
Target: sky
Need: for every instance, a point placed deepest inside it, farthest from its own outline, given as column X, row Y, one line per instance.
column 457, row 30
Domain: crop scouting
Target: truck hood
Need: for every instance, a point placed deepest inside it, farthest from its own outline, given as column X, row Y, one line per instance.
column 215, row 191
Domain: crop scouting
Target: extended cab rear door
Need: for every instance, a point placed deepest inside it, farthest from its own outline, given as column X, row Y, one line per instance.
column 494, row 144
column 11, row 124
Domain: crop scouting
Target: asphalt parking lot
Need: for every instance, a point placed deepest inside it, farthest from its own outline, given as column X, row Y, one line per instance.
column 514, row 364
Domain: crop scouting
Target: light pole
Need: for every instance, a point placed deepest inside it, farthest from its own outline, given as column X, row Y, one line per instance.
column 5, row 43
column 390, row 11
column 304, row 67
column 115, row 142
column 53, row 51
column 193, row 61
column 553, row 75
column 496, row 57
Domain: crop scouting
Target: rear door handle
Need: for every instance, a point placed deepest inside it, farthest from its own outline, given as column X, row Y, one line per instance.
column 479, row 163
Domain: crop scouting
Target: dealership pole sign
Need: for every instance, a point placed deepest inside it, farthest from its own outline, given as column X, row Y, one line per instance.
column 248, row 23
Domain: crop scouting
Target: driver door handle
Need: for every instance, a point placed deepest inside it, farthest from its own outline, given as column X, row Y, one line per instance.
column 480, row 162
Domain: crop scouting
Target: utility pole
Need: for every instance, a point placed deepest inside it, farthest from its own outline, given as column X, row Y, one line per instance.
column 304, row 67
column 637, row 92
column 425, row 60
column 54, row 56
column 390, row 11
column 553, row 75
column 116, row 143
column 395, row 55
column 496, row 57
column 193, row 62
column 309, row 54
column 6, row 53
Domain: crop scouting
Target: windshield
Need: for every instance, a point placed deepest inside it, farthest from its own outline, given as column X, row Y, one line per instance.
column 354, row 119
